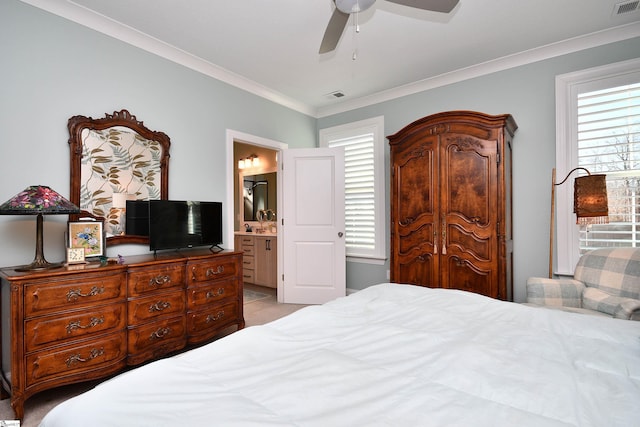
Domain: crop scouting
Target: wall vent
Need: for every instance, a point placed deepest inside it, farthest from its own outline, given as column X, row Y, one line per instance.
column 626, row 7
column 339, row 93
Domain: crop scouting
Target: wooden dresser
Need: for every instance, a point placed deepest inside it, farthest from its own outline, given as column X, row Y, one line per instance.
column 451, row 205
column 77, row 323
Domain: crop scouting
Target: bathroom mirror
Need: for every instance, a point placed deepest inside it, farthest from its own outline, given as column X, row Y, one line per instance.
column 115, row 159
column 258, row 193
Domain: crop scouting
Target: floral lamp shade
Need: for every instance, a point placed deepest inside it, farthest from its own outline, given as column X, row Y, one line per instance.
column 38, row 200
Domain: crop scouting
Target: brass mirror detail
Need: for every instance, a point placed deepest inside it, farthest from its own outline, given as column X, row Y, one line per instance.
column 114, row 159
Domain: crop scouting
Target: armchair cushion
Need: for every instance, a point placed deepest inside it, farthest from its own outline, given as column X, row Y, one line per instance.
column 618, row 307
column 554, row 292
column 615, row 271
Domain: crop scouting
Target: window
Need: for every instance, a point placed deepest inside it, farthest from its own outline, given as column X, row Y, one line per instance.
column 598, row 128
column 364, row 186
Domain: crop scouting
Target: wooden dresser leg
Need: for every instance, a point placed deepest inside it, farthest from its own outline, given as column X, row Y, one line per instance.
column 18, row 408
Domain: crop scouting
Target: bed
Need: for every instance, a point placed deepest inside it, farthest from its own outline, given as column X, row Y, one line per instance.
column 389, row 355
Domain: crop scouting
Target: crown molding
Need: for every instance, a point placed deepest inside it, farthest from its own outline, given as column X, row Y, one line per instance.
column 98, row 22
column 564, row 47
column 69, row 10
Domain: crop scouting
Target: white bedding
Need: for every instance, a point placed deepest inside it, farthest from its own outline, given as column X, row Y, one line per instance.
column 390, row 355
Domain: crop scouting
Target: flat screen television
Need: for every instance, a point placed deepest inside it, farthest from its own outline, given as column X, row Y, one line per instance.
column 175, row 224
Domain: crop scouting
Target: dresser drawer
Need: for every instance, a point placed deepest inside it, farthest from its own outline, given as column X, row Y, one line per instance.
column 47, row 330
column 158, row 305
column 106, row 353
column 214, row 270
column 201, row 296
column 210, row 321
column 73, row 292
column 149, row 279
column 157, row 335
column 248, row 250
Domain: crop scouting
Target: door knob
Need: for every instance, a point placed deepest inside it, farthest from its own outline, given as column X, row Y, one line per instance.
column 340, row 234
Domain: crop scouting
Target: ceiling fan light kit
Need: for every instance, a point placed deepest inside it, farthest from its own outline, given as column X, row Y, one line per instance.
column 344, row 8
column 352, row 6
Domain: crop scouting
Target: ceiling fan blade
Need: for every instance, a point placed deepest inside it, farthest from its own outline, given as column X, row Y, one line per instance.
column 444, row 6
column 334, row 31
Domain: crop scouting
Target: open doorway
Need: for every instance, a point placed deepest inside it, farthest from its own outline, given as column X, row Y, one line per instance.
column 253, row 197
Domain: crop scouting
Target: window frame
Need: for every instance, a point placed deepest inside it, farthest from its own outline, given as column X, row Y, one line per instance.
column 568, row 86
column 374, row 125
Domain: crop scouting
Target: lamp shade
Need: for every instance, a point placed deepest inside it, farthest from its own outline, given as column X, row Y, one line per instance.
column 37, row 199
column 590, row 202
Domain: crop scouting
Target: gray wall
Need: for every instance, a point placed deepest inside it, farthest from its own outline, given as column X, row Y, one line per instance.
column 526, row 92
column 53, row 69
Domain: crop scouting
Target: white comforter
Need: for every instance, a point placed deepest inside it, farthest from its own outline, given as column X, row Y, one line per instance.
column 390, row 355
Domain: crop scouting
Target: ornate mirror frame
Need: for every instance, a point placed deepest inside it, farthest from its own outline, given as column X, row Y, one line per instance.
column 116, row 154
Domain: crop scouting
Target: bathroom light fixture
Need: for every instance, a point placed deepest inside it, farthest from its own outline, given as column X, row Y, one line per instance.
column 250, row 162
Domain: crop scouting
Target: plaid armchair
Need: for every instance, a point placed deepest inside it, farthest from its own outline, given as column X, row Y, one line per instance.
column 606, row 282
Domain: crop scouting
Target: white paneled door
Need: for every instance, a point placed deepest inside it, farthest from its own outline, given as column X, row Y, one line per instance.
column 314, row 264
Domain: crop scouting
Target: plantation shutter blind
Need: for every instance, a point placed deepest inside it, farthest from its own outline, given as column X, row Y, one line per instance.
column 359, row 192
column 609, row 143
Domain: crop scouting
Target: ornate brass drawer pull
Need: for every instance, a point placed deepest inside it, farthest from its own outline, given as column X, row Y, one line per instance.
column 73, row 294
column 159, row 306
column 211, row 318
column 159, row 334
column 160, row 280
column 76, row 358
column 77, row 324
column 212, row 294
column 212, row 272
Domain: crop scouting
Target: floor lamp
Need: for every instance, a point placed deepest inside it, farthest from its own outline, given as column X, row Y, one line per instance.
column 589, row 202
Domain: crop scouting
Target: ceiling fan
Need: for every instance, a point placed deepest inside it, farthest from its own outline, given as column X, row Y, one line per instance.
column 344, row 8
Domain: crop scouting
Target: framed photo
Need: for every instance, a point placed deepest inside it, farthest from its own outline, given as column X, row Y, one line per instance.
column 88, row 235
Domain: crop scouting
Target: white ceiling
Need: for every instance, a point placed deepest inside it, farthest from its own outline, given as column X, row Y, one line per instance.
column 270, row 47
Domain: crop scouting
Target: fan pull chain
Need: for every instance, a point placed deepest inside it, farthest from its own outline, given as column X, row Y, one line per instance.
column 354, row 56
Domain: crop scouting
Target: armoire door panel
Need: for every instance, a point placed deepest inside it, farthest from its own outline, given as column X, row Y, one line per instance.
column 417, row 269
column 422, row 237
column 468, row 178
column 415, row 180
column 462, row 274
column 477, row 245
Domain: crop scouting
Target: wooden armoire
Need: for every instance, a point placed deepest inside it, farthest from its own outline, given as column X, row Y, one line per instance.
column 451, row 205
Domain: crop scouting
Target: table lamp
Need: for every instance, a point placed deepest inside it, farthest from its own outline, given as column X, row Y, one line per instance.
column 38, row 200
